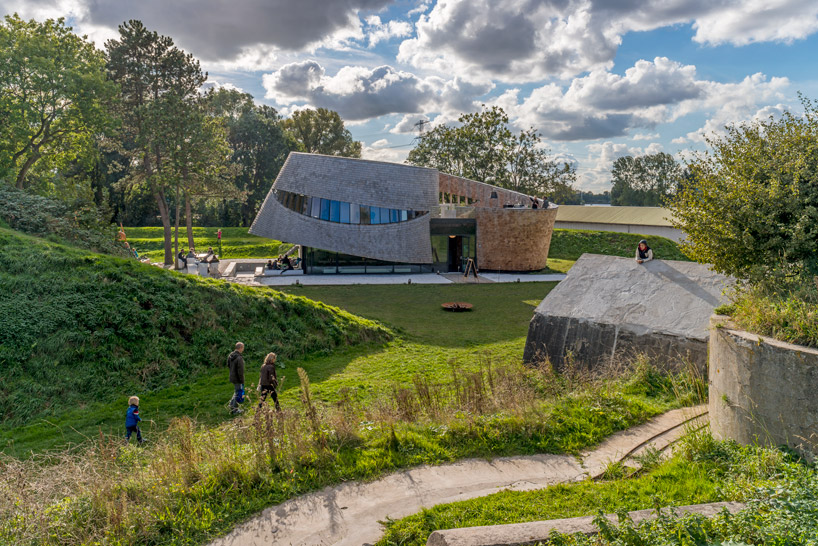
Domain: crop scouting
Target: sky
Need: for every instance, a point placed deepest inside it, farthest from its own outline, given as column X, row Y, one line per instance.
column 598, row 79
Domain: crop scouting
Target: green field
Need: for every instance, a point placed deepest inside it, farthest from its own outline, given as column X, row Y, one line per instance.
column 567, row 245
column 236, row 242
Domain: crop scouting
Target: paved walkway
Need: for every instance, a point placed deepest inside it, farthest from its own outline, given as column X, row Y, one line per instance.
column 348, row 514
column 392, row 278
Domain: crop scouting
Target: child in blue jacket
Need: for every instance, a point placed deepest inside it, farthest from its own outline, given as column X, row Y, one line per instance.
column 132, row 419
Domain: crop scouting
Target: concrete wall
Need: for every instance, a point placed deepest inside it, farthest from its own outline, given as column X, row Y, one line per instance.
column 762, row 390
column 662, row 231
column 514, row 239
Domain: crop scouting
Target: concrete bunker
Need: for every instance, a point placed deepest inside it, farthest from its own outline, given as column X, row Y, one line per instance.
column 610, row 307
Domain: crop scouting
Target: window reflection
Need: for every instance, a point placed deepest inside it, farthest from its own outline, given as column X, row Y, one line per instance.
column 343, row 212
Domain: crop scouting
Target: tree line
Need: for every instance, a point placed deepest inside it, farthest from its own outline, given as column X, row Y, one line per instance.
column 131, row 128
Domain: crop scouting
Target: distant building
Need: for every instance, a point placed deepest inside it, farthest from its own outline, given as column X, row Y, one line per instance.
column 642, row 220
column 361, row 216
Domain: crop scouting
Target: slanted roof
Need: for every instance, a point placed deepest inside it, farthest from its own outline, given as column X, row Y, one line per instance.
column 640, row 216
column 360, row 181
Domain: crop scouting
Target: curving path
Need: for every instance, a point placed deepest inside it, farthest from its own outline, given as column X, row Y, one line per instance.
column 348, row 514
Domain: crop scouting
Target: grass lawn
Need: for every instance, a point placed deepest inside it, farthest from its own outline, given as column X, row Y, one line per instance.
column 236, row 242
column 675, row 482
column 430, row 340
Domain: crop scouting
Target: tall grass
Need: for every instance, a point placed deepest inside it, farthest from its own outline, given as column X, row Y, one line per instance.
column 787, row 311
column 193, row 483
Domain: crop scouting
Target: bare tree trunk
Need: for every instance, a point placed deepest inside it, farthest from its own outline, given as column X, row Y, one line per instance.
column 188, row 219
column 21, row 176
column 164, row 213
column 176, row 230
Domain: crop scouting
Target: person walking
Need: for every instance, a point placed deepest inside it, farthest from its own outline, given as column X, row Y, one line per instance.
column 132, row 420
column 235, row 363
column 643, row 252
column 268, row 381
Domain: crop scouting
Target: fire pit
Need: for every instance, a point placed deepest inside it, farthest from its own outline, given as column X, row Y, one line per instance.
column 456, row 306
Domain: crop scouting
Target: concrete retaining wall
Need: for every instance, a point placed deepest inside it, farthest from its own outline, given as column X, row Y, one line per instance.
column 762, row 390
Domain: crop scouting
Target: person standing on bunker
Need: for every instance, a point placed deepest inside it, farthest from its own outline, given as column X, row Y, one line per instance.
column 235, row 363
column 643, row 252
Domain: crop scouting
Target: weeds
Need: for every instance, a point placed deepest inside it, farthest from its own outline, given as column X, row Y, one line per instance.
column 193, row 483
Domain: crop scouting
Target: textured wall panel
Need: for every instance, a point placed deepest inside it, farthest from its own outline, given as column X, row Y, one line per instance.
column 514, row 239
column 360, row 181
column 406, row 242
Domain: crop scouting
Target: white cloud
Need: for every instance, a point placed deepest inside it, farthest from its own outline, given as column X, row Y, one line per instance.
column 377, row 32
column 359, row 93
column 758, row 21
column 680, row 140
column 645, row 136
column 535, row 39
column 215, row 30
column 408, row 124
column 392, row 155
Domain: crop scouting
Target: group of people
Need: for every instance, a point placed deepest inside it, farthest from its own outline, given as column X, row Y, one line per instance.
column 283, row 262
column 267, row 383
column 209, row 257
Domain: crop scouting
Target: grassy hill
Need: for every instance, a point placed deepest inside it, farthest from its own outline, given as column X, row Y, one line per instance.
column 79, row 327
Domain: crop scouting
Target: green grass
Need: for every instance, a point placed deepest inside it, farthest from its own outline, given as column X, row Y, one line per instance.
column 786, row 312
column 78, row 328
column 236, row 242
column 675, row 482
column 431, row 339
column 570, row 244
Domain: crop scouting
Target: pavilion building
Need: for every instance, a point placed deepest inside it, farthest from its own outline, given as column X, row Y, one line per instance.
column 362, row 216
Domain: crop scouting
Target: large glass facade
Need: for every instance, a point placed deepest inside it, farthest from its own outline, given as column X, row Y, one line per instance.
column 322, row 262
column 342, row 212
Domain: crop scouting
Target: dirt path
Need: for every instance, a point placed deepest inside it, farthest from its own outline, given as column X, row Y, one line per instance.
column 348, row 514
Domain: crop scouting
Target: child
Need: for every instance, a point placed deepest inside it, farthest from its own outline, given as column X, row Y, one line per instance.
column 132, row 419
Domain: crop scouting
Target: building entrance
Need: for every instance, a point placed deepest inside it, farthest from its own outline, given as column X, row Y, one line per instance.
column 455, row 253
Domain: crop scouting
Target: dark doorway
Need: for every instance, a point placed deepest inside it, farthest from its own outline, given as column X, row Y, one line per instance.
column 455, row 252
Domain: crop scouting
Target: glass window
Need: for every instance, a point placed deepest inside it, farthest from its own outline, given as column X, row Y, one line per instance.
column 316, row 207
column 334, row 211
column 394, row 215
column 325, row 209
column 440, row 248
column 384, row 215
column 344, row 213
column 404, row 215
column 365, row 216
column 374, row 215
column 354, row 214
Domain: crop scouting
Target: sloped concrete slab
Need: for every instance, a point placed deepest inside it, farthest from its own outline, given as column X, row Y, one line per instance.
column 538, row 532
column 609, row 306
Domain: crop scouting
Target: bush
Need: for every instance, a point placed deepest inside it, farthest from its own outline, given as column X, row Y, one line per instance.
column 750, row 207
column 77, row 223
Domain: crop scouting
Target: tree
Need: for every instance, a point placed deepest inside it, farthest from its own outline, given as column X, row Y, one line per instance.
column 322, row 131
column 645, row 181
column 750, row 205
column 156, row 79
column 259, row 144
column 197, row 163
column 53, row 95
column 483, row 148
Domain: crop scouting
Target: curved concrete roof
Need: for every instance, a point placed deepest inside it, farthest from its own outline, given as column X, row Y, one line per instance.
column 361, row 181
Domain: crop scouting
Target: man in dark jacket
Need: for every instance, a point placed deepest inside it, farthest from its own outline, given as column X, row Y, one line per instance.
column 235, row 363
